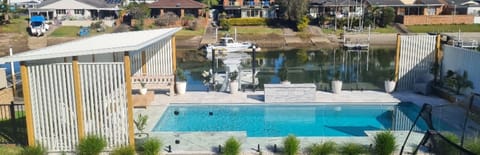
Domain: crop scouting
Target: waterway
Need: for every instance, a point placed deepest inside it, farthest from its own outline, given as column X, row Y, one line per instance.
column 359, row 70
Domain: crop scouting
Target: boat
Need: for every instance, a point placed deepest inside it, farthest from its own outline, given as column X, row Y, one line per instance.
column 228, row 44
column 38, row 26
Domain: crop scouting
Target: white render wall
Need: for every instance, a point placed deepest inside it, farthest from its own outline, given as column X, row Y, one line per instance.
column 459, row 60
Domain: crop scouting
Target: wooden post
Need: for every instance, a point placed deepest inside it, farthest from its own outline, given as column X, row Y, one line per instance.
column 144, row 63
column 437, row 58
column 174, row 55
column 28, row 103
column 128, row 82
column 397, row 58
column 78, row 96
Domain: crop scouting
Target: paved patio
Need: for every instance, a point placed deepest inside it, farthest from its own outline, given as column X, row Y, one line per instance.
column 207, row 142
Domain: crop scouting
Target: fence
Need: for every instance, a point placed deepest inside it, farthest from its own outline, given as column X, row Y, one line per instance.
column 12, row 124
column 459, row 60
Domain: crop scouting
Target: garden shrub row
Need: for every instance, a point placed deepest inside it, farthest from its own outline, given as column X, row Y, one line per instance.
column 247, row 21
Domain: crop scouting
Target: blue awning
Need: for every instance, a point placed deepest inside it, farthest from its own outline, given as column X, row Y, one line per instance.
column 37, row 19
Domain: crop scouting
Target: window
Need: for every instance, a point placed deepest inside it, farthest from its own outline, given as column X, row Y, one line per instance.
column 430, row 11
column 61, row 12
column 78, row 11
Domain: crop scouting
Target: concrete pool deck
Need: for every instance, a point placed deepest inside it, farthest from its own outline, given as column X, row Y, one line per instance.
column 207, row 142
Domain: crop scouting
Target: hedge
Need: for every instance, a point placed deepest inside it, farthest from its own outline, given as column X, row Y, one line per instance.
column 247, row 21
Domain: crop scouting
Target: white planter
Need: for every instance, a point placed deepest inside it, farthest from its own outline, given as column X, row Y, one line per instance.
column 389, row 86
column 336, row 86
column 143, row 91
column 181, row 87
column 285, row 82
column 233, row 87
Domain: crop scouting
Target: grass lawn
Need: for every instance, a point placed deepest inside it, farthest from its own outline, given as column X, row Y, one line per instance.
column 72, row 31
column 66, row 31
column 255, row 30
column 444, row 28
column 388, row 29
column 17, row 25
column 185, row 32
column 332, row 31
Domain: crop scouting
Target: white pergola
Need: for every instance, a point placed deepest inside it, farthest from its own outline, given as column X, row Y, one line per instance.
column 84, row 87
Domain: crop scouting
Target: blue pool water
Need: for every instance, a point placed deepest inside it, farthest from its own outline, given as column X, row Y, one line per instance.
column 277, row 120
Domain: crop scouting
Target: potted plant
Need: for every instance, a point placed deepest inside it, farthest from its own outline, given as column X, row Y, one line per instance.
column 92, row 145
column 181, row 82
column 141, row 123
column 384, row 143
column 291, row 145
column 283, row 75
column 144, row 89
column 232, row 147
column 337, row 83
column 233, row 82
column 390, row 82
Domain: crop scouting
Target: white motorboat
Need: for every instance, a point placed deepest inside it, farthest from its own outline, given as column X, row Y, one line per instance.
column 228, row 44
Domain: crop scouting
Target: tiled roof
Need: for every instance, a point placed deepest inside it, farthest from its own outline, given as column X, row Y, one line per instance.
column 94, row 3
column 177, row 4
column 400, row 3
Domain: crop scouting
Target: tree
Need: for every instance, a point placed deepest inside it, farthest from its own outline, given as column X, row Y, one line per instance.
column 210, row 3
column 292, row 10
column 387, row 17
column 4, row 8
column 138, row 10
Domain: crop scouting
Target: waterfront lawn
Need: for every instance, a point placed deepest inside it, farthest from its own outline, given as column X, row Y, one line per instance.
column 72, row 31
column 332, row 31
column 66, row 31
column 185, row 32
column 388, row 29
column 256, row 30
column 17, row 25
column 444, row 28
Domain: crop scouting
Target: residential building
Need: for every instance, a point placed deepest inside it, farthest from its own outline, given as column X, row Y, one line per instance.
column 410, row 7
column 250, row 8
column 180, row 7
column 76, row 9
column 339, row 8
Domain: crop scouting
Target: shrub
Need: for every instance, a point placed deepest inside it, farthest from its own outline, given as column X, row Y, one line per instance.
column 125, row 150
column 291, row 145
column 168, row 18
column 283, row 73
column 152, row 146
column 352, row 149
column 302, row 24
column 91, row 145
column 323, row 149
column 247, row 21
column 225, row 24
column 232, row 147
column 384, row 143
column 180, row 75
column 33, row 150
column 473, row 145
column 13, row 150
column 141, row 121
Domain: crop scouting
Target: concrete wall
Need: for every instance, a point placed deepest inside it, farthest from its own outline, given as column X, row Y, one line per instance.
column 438, row 19
column 289, row 93
column 459, row 60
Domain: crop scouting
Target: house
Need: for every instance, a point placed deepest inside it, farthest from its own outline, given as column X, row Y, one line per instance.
column 180, row 7
column 339, row 8
column 24, row 3
column 77, row 9
column 462, row 7
column 250, row 8
column 410, row 7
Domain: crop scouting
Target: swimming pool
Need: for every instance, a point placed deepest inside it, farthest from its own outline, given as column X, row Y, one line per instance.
column 277, row 120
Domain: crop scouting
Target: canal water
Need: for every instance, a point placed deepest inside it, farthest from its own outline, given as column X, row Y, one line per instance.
column 359, row 70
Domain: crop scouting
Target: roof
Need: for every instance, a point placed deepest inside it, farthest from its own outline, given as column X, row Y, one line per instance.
column 107, row 43
column 177, row 4
column 94, row 3
column 334, row 2
column 401, row 3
